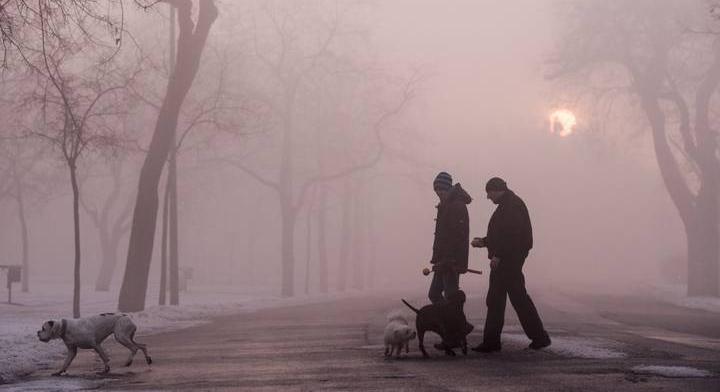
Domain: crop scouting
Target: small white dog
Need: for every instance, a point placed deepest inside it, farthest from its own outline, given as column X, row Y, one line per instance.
column 397, row 334
column 89, row 333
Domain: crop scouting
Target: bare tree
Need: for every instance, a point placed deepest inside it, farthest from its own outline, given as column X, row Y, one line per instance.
column 22, row 20
column 111, row 219
column 75, row 99
column 24, row 181
column 191, row 42
column 209, row 106
column 650, row 50
column 297, row 65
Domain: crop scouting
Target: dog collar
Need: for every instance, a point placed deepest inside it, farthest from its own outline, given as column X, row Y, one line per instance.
column 63, row 328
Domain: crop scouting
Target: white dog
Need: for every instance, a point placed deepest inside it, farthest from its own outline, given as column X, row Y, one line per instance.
column 397, row 334
column 89, row 333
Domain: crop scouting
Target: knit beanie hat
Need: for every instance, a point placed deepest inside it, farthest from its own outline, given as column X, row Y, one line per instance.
column 443, row 181
column 496, row 184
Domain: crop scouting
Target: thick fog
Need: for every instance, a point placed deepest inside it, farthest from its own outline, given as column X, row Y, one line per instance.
column 341, row 113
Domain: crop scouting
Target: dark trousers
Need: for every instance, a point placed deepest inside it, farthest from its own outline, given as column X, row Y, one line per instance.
column 446, row 282
column 507, row 280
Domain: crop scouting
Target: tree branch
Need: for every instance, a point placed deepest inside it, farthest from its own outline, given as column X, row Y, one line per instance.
column 378, row 126
column 271, row 184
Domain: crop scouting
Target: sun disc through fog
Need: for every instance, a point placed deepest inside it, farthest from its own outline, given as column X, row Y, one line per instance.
column 562, row 122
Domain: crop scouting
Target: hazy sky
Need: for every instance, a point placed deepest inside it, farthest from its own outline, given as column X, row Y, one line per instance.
column 481, row 111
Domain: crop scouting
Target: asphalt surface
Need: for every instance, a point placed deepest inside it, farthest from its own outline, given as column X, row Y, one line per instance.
column 338, row 346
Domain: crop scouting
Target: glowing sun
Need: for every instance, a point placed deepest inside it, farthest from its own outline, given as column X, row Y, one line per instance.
column 562, row 122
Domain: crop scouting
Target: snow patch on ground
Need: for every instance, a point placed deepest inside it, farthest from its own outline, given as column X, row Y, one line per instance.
column 576, row 347
column 57, row 384
column 22, row 354
column 672, row 371
column 677, row 295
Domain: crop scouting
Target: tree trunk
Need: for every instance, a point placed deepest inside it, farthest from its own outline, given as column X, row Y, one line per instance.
column 174, row 272
column 164, row 239
column 358, row 239
column 308, row 250
column 191, row 42
column 702, row 246
column 249, row 270
column 287, row 249
column 23, row 233
column 76, row 226
column 109, row 247
column 285, row 190
column 163, row 249
column 322, row 240
column 345, row 228
column 172, row 189
column 369, row 228
column 698, row 213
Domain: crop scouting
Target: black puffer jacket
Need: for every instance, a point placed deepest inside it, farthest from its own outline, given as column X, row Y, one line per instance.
column 509, row 233
column 452, row 230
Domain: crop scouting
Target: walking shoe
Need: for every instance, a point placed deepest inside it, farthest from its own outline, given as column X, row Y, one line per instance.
column 538, row 344
column 486, row 348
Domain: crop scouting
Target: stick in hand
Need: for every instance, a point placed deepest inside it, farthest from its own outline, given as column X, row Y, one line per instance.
column 426, row 271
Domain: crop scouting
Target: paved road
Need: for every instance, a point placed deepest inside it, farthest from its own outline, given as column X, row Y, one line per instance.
column 337, row 346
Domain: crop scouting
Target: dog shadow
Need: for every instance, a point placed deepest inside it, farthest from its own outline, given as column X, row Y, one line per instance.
column 98, row 376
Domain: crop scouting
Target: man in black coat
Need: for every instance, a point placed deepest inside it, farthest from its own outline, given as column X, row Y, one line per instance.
column 452, row 238
column 509, row 239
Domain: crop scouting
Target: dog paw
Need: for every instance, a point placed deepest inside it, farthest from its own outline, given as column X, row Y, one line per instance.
column 57, row 374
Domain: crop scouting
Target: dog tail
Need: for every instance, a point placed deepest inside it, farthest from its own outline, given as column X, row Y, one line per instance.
column 409, row 306
column 397, row 315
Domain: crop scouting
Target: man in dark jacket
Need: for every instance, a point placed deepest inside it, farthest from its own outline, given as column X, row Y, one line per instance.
column 452, row 237
column 509, row 239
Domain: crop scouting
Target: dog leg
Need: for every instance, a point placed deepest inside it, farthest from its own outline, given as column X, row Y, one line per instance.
column 103, row 355
column 125, row 341
column 464, row 346
column 130, row 343
column 421, row 336
column 142, row 348
column 387, row 350
column 72, row 351
column 407, row 347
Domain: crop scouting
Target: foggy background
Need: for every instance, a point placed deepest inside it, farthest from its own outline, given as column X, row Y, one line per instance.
column 479, row 108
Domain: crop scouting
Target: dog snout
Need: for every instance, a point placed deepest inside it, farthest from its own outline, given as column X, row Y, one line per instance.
column 40, row 337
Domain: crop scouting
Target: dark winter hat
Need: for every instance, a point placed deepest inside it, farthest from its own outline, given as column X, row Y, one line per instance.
column 443, row 181
column 496, row 184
